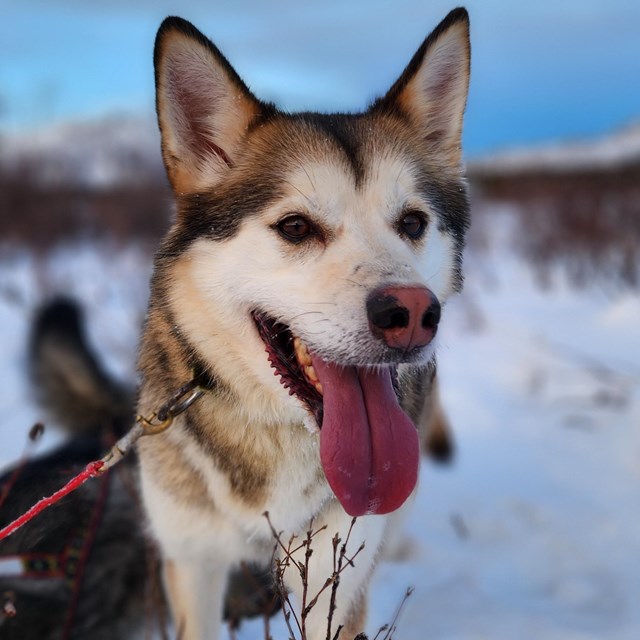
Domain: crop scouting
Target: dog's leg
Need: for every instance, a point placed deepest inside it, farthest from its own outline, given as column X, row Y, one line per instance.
column 351, row 597
column 437, row 437
column 196, row 593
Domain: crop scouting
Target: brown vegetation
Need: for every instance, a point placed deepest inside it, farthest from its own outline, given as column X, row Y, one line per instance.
column 588, row 220
column 40, row 213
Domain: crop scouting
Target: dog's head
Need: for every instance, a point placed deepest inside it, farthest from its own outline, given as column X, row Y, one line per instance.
column 317, row 246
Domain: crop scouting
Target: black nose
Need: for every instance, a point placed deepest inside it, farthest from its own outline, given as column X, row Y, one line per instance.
column 404, row 317
column 431, row 316
column 385, row 313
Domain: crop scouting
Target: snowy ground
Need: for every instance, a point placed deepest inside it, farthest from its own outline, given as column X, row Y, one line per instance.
column 534, row 533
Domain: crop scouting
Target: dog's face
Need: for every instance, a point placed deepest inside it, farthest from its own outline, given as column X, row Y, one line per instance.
column 317, row 246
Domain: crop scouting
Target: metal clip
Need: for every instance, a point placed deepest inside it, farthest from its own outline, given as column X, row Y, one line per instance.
column 151, row 428
column 163, row 419
column 181, row 407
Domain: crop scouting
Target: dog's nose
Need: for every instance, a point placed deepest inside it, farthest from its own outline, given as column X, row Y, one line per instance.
column 404, row 317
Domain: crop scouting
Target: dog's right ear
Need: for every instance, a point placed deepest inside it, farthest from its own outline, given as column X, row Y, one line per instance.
column 204, row 108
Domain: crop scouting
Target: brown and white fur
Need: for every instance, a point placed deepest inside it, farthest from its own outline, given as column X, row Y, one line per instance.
column 300, row 217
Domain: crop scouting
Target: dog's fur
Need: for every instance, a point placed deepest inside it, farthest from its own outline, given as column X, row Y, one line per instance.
column 346, row 186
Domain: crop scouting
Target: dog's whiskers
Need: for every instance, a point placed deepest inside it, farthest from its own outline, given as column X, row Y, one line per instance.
column 358, row 284
column 329, row 303
column 308, row 176
column 304, row 195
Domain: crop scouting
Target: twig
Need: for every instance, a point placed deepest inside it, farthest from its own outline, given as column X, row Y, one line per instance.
column 337, row 570
column 392, row 627
column 341, row 560
column 280, row 568
column 304, row 575
column 338, row 630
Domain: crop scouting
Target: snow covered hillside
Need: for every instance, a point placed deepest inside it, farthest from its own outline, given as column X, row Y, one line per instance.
column 96, row 153
column 609, row 152
column 534, row 532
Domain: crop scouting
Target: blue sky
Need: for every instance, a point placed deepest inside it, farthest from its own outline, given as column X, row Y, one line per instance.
column 541, row 70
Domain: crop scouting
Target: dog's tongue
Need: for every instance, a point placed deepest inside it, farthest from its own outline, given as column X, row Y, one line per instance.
column 369, row 447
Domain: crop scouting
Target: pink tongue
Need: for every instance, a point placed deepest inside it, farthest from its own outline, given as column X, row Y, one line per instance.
column 369, row 447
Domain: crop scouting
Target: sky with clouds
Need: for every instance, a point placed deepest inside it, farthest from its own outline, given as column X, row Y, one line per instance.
column 541, row 70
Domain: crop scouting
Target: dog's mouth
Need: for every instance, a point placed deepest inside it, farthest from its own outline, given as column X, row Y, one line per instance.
column 291, row 361
column 369, row 447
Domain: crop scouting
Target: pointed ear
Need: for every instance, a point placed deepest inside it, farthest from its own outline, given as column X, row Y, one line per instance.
column 204, row 108
column 432, row 91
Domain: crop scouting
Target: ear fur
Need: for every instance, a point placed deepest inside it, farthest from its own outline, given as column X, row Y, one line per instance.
column 204, row 108
column 432, row 90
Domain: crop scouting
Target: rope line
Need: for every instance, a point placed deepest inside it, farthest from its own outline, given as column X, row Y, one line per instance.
column 92, row 470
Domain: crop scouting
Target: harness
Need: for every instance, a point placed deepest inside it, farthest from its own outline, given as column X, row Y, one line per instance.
column 70, row 563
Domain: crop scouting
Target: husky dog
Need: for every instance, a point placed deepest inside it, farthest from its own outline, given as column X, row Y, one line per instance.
column 59, row 569
column 303, row 280
column 84, row 568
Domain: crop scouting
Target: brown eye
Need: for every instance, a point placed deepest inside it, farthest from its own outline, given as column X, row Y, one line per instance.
column 295, row 228
column 412, row 224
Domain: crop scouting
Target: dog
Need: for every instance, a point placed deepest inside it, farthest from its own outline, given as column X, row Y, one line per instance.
column 301, row 284
column 85, row 568
column 59, row 572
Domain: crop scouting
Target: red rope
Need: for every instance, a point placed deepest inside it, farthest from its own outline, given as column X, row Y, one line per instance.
column 92, row 470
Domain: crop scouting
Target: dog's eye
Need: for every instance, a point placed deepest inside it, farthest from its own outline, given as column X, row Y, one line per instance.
column 412, row 224
column 295, row 228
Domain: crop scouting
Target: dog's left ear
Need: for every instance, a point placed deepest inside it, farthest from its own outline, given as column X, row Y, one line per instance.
column 432, row 91
column 204, row 108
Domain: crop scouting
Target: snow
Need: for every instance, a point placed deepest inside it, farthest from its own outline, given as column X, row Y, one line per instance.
column 534, row 531
column 544, row 400
column 99, row 152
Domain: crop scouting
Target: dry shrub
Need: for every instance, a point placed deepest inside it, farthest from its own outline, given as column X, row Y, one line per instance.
column 586, row 221
column 287, row 557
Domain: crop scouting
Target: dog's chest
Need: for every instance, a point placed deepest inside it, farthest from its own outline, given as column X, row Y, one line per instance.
column 299, row 488
column 253, row 468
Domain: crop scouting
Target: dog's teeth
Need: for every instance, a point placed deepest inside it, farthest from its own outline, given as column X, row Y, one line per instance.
column 310, row 372
column 318, row 387
column 302, row 353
